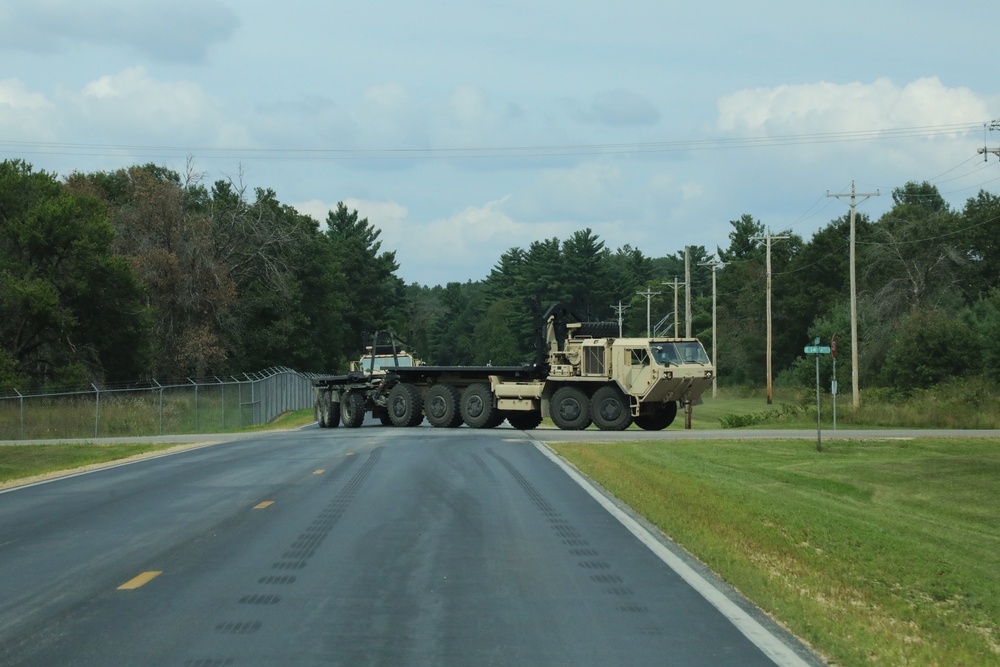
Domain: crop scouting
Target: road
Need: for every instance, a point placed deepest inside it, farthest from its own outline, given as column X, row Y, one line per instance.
column 370, row 546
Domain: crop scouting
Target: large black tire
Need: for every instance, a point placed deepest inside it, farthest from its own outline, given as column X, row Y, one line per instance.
column 382, row 415
column 405, row 408
column 352, row 409
column 333, row 415
column 524, row 420
column 477, row 407
column 659, row 420
column 441, row 406
column 609, row 409
column 570, row 409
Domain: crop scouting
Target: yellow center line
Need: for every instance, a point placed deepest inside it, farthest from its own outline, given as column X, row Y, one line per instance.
column 319, row 472
column 141, row 580
column 266, row 503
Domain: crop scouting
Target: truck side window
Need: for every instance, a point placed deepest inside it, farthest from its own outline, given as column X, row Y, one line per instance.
column 640, row 356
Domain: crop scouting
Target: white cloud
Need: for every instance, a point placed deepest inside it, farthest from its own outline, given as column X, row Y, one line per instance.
column 132, row 101
column 24, row 114
column 828, row 107
column 15, row 95
column 587, row 191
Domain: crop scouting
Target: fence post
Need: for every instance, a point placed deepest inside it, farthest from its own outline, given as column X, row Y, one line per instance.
column 161, row 404
column 196, row 423
column 97, row 410
column 20, row 400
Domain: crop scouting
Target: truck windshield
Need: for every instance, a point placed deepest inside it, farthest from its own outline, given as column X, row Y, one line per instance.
column 385, row 362
column 682, row 352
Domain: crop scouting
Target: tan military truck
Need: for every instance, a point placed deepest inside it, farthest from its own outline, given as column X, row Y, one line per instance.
column 583, row 375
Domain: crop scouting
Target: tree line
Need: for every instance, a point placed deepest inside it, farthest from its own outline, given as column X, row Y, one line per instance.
column 143, row 272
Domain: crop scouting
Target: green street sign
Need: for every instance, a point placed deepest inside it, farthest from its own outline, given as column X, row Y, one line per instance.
column 817, row 349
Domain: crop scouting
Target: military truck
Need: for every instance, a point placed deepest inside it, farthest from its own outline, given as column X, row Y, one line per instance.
column 583, row 374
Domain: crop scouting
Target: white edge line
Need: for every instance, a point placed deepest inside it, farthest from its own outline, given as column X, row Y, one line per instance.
column 771, row 645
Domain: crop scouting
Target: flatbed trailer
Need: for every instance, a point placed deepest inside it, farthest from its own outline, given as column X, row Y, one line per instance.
column 585, row 377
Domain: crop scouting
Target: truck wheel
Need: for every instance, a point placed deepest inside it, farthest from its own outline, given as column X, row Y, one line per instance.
column 524, row 420
column 383, row 416
column 441, row 406
column 659, row 420
column 609, row 409
column 333, row 415
column 570, row 409
column 352, row 409
column 478, row 410
column 404, row 405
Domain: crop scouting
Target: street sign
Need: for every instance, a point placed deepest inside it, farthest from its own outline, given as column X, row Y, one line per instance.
column 817, row 349
column 833, row 347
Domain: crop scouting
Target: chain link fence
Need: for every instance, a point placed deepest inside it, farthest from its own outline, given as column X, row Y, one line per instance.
column 172, row 408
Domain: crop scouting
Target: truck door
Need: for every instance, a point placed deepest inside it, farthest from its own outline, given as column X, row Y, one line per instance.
column 638, row 373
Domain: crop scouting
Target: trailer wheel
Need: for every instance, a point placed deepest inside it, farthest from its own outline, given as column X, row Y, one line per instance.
column 404, row 405
column 570, row 409
column 609, row 409
column 477, row 408
column 659, row 420
column 382, row 414
column 333, row 415
column 441, row 406
column 524, row 420
column 352, row 409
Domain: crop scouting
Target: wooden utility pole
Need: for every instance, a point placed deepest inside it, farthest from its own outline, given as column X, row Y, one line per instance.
column 687, row 291
column 767, row 238
column 854, row 292
column 714, row 264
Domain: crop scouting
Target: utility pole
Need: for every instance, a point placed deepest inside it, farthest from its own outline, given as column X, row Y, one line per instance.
column 649, row 294
column 687, row 291
column 854, row 291
column 984, row 151
column 767, row 238
column 620, row 309
column 676, row 306
column 714, row 264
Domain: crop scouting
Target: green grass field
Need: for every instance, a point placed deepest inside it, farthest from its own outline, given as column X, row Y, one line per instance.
column 875, row 553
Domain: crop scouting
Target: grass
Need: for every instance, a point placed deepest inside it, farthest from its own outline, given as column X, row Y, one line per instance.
column 28, row 461
column 875, row 553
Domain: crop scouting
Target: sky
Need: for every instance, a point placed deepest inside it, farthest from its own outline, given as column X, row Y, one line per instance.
column 464, row 129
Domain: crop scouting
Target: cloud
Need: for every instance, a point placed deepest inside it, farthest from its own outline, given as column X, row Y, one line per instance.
column 180, row 30
column 623, row 108
column 131, row 101
column 828, row 107
column 24, row 113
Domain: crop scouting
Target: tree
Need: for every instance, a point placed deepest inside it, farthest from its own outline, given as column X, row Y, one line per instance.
column 167, row 235
column 372, row 292
column 69, row 310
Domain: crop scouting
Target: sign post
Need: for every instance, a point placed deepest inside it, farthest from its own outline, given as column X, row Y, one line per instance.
column 818, row 349
column 833, row 385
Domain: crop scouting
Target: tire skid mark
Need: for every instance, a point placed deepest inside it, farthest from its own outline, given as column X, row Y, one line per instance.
column 486, row 469
column 298, row 555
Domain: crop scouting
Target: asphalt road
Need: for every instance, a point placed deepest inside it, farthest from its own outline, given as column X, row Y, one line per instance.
column 370, row 546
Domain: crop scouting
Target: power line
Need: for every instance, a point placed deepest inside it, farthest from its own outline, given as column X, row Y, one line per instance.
column 478, row 152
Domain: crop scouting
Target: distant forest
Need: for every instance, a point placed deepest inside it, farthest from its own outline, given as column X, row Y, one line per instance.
column 114, row 277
